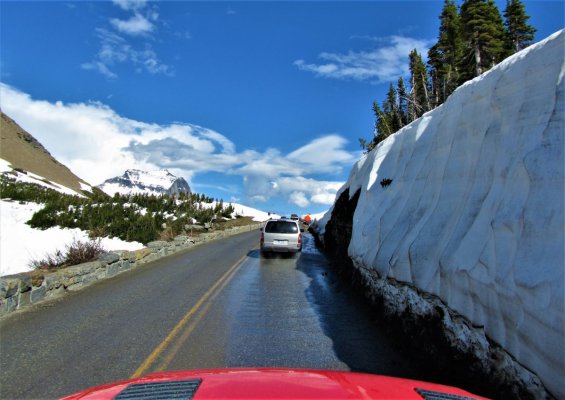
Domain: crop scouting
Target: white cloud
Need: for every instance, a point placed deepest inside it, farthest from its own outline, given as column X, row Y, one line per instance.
column 96, row 144
column 100, row 67
column 382, row 64
column 316, row 191
column 298, row 190
column 299, row 198
column 269, row 164
column 323, row 198
column 116, row 49
column 324, row 155
column 136, row 25
column 93, row 140
column 130, row 5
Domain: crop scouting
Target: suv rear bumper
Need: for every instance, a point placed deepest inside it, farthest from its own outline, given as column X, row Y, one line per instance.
column 280, row 249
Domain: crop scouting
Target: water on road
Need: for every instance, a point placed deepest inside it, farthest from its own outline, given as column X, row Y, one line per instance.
column 290, row 311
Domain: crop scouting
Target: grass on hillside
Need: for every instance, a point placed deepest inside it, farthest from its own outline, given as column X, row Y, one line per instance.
column 233, row 223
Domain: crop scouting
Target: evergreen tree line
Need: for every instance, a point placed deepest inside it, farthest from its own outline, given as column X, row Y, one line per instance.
column 138, row 217
column 472, row 39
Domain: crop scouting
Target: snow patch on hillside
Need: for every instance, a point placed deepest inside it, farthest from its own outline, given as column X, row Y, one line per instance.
column 20, row 244
column 29, row 177
column 257, row 215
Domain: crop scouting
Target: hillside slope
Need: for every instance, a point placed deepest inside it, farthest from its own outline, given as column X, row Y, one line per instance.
column 24, row 152
column 474, row 210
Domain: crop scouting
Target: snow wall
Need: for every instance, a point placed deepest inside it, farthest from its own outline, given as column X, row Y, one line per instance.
column 475, row 210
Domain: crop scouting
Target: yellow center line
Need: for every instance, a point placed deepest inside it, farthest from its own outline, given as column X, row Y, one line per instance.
column 184, row 320
column 179, row 342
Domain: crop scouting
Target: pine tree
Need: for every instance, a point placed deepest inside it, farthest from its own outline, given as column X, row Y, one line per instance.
column 419, row 99
column 391, row 110
column 469, row 43
column 436, row 64
column 383, row 128
column 402, row 102
column 519, row 34
column 367, row 146
column 444, row 57
column 143, row 230
column 483, row 37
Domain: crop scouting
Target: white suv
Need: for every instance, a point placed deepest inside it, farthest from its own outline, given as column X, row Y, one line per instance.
column 281, row 235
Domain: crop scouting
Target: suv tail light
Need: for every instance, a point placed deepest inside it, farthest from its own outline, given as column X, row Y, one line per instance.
column 299, row 239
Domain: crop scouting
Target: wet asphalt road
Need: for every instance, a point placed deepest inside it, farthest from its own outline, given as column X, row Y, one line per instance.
column 290, row 311
column 217, row 305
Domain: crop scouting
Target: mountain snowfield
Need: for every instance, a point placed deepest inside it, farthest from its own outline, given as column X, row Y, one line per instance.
column 475, row 210
column 135, row 181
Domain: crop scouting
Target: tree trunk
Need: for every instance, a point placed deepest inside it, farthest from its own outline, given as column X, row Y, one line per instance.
column 478, row 68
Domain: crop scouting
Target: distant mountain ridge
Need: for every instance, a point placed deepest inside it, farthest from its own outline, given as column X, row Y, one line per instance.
column 135, row 181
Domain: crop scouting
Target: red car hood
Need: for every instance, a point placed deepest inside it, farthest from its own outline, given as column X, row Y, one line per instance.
column 270, row 383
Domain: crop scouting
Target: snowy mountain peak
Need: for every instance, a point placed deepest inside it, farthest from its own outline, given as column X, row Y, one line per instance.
column 135, row 181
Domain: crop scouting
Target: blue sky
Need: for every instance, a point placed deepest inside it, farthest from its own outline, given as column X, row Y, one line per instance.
column 261, row 103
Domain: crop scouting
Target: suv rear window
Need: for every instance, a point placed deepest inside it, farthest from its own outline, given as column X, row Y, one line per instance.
column 281, row 227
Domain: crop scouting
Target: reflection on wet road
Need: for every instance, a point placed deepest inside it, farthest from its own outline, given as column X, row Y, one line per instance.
column 290, row 311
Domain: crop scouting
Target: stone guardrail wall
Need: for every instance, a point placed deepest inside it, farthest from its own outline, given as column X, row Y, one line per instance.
column 21, row 290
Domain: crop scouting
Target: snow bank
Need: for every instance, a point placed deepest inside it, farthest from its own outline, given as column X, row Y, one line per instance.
column 20, row 244
column 257, row 215
column 318, row 216
column 475, row 210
